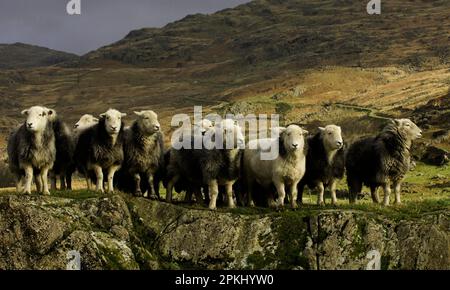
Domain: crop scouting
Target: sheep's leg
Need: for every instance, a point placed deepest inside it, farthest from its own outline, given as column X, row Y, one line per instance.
column 68, row 180
column 188, row 196
column 111, row 171
column 99, row 175
column 53, row 180
column 170, row 185
column 38, row 182
column 198, row 195
column 249, row 194
column 44, row 178
column 151, row 194
column 88, row 181
column 374, row 194
column 279, row 185
column 387, row 193
column 28, row 179
column 19, row 184
column 333, row 191
column 354, row 188
column 321, row 189
column 300, row 189
column 294, row 193
column 62, row 180
column 213, row 187
column 229, row 189
column 137, row 185
column 397, row 187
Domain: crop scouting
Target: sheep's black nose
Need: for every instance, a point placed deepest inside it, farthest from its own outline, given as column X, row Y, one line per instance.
column 75, row 126
column 114, row 128
column 295, row 145
column 156, row 128
column 30, row 124
column 339, row 143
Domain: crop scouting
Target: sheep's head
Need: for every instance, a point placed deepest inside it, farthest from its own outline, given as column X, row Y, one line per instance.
column 408, row 128
column 292, row 137
column 231, row 133
column 113, row 121
column 148, row 121
column 203, row 126
column 332, row 137
column 37, row 118
column 86, row 121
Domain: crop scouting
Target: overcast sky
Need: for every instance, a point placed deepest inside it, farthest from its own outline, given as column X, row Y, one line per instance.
column 46, row 22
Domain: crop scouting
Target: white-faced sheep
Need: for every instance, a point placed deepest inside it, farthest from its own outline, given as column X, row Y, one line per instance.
column 217, row 164
column 144, row 154
column 31, row 149
column 284, row 171
column 86, row 121
column 325, row 162
column 382, row 160
column 100, row 148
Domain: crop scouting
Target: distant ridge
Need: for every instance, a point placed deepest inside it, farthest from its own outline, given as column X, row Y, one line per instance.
column 21, row 55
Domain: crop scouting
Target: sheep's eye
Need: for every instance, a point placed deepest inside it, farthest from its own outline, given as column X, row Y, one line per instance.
column 407, row 124
column 146, row 118
column 329, row 133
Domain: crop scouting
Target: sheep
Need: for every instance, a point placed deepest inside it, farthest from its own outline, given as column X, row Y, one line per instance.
column 382, row 160
column 175, row 176
column 143, row 152
column 100, row 148
column 212, row 166
column 325, row 162
column 31, row 149
column 86, row 121
column 285, row 170
column 65, row 147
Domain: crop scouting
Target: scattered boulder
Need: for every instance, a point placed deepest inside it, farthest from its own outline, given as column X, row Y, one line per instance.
column 435, row 156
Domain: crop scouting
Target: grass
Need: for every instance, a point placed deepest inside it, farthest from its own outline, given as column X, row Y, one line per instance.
column 426, row 190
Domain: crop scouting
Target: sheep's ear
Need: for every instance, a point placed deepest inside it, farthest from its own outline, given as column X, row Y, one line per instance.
column 102, row 116
column 95, row 120
column 137, row 113
column 51, row 112
column 321, row 128
column 124, row 114
column 281, row 130
column 24, row 112
column 306, row 131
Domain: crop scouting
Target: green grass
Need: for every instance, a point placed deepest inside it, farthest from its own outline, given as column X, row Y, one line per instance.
column 425, row 190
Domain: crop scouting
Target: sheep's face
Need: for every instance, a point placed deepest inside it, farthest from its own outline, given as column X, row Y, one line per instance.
column 37, row 118
column 148, row 121
column 113, row 121
column 408, row 128
column 231, row 133
column 332, row 137
column 86, row 121
column 203, row 126
column 293, row 137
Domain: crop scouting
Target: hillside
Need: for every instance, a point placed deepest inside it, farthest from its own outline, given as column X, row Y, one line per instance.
column 20, row 55
column 300, row 34
column 312, row 61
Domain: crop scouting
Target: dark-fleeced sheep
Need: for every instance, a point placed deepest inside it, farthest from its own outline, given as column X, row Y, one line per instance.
column 100, row 149
column 65, row 147
column 144, row 154
column 216, row 164
column 284, row 171
column 382, row 160
column 31, row 150
column 325, row 163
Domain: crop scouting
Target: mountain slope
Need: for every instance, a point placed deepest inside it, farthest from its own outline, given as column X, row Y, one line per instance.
column 20, row 55
column 305, row 34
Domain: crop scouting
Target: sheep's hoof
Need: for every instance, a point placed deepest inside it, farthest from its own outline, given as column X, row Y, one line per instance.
column 212, row 208
column 232, row 206
column 294, row 206
column 251, row 204
column 152, row 196
column 46, row 192
column 321, row 203
column 138, row 193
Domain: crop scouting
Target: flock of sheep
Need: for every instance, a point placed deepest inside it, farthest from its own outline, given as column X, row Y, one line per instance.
column 133, row 159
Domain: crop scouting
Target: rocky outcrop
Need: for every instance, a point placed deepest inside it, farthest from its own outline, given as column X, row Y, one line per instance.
column 120, row 232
